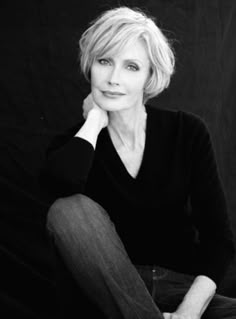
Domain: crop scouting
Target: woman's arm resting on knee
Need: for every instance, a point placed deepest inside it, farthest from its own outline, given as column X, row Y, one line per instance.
column 196, row 300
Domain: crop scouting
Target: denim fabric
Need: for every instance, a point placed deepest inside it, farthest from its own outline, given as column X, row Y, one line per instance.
column 168, row 288
column 92, row 250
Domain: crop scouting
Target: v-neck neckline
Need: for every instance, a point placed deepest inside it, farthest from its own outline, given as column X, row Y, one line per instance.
column 117, row 159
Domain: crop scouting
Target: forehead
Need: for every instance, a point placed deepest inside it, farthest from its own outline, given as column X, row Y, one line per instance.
column 134, row 50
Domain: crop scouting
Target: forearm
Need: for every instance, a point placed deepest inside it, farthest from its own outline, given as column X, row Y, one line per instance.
column 198, row 297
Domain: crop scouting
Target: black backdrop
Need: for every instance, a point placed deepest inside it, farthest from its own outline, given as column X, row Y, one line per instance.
column 41, row 92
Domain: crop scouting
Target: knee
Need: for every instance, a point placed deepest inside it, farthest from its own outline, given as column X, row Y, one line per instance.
column 63, row 211
column 74, row 213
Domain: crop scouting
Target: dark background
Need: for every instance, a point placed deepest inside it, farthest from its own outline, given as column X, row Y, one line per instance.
column 41, row 93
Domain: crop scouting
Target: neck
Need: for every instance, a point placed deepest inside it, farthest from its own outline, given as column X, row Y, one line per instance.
column 127, row 126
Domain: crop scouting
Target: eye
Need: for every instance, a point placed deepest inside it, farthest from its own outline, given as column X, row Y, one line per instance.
column 104, row 61
column 132, row 67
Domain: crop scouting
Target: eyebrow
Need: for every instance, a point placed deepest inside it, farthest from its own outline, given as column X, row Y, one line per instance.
column 130, row 60
column 133, row 60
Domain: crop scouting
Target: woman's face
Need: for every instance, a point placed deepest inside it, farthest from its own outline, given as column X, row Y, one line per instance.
column 117, row 82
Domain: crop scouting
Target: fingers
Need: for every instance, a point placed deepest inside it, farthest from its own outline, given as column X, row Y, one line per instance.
column 168, row 315
column 88, row 104
column 172, row 316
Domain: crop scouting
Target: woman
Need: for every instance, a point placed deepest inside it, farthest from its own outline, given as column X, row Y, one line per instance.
column 145, row 231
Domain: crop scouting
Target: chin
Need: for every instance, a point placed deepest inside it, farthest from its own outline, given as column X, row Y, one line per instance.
column 111, row 106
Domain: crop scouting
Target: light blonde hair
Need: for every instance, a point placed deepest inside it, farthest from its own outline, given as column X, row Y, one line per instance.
column 114, row 29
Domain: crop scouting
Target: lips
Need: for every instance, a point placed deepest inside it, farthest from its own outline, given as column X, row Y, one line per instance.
column 112, row 94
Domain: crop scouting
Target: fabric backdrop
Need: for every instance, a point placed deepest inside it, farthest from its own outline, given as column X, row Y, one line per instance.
column 41, row 93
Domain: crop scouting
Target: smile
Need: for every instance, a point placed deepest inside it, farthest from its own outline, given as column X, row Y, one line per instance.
column 112, row 94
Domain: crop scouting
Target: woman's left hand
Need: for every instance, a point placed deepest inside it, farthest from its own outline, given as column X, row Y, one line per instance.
column 175, row 315
column 195, row 301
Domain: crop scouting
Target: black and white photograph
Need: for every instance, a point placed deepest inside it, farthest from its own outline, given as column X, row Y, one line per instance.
column 118, row 159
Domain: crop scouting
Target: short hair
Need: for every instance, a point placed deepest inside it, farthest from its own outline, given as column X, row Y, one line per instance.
column 114, row 29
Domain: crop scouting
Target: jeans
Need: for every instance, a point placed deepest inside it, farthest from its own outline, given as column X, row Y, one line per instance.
column 93, row 252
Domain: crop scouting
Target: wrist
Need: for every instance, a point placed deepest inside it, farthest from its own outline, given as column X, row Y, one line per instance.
column 91, row 128
column 208, row 282
column 189, row 312
column 97, row 117
column 198, row 297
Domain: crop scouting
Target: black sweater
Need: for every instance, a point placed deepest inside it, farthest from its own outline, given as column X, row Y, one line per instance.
column 174, row 213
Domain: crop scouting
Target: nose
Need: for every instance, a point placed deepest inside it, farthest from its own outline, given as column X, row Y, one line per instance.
column 114, row 78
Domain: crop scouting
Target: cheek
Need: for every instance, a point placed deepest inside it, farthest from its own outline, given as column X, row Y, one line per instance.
column 136, row 86
column 93, row 78
column 95, row 75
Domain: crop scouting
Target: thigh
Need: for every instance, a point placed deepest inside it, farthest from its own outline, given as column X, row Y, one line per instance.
column 171, row 289
column 221, row 307
column 93, row 252
column 166, row 287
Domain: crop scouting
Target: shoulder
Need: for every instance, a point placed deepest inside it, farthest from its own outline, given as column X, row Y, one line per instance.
column 185, row 121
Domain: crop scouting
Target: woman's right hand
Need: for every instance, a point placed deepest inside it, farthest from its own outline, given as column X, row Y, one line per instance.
column 95, row 120
column 90, row 107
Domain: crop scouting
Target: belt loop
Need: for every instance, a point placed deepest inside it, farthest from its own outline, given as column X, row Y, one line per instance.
column 154, row 281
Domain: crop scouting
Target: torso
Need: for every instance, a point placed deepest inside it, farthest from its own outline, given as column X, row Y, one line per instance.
column 131, row 157
column 139, row 188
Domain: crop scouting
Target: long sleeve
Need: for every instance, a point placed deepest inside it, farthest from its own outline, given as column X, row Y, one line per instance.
column 68, row 163
column 209, row 206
